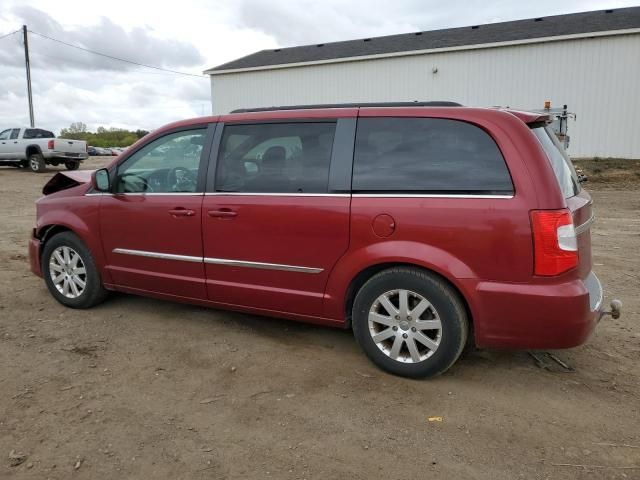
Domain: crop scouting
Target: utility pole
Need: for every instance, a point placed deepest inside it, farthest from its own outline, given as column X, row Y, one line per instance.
column 28, row 67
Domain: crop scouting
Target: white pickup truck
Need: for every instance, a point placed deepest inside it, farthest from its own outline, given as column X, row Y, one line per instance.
column 36, row 148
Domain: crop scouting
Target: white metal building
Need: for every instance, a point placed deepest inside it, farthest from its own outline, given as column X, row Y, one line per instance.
column 589, row 61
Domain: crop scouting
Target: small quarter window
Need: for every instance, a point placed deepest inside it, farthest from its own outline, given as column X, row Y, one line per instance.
column 423, row 155
column 37, row 133
column 560, row 163
column 275, row 158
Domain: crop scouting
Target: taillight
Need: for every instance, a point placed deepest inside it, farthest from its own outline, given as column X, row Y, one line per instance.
column 50, row 145
column 555, row 245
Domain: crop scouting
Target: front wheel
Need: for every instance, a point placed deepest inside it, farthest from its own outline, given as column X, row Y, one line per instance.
column 37, row 163
column 410, row 322
column 70, row 272
column 71, row 164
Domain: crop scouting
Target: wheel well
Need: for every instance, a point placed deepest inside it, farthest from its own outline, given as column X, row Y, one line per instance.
column 361, row 278
column 49, row 231
column 31, row 149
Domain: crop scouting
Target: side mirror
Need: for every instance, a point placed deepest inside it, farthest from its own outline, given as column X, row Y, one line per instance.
column 100, row 180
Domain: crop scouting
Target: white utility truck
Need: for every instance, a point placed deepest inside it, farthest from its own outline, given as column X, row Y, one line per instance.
column 36, row 148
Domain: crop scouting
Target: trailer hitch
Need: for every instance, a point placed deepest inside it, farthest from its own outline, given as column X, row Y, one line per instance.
column 616, row 309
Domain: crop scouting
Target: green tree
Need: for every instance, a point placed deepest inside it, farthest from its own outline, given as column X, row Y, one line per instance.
column 103, row 137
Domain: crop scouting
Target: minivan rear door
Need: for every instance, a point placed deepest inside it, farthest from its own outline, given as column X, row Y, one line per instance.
column 276, row 220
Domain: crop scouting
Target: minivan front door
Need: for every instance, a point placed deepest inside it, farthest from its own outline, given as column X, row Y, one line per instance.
column 272, row 230
column 151, row 224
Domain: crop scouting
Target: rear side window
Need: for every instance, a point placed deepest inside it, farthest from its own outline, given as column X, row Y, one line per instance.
column 275, row 158
column 14, row 133
column 37, row 133
column 423, row 155
column 559, row 160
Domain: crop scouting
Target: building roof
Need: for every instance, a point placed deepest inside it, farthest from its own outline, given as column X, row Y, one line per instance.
column 518, row 30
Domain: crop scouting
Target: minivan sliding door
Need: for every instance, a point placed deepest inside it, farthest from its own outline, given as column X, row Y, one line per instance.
column 277, row 219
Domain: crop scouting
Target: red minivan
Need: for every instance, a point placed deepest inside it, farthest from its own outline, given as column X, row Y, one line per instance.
column 417, row 225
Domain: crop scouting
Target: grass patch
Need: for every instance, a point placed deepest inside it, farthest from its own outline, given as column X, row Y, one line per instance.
column 609, row 172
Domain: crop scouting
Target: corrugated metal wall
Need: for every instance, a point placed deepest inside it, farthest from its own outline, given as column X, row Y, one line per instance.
column 599, row 78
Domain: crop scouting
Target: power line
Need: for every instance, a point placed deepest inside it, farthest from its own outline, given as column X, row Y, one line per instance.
column 112, row 57
column 65, row 58
column 8, row 34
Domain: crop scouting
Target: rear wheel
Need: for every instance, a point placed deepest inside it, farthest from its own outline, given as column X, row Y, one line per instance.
column 410, row 322
column 71, row 164
column 37, row 163
column 70, row 272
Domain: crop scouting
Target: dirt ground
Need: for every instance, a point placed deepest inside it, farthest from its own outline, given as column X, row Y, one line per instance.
column 140, row 388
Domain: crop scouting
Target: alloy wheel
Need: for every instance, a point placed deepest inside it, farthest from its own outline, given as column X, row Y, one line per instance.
column 68, row 272
column 405, row 326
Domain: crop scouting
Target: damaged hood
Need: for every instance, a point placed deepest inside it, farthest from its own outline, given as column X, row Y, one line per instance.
column 65, row 180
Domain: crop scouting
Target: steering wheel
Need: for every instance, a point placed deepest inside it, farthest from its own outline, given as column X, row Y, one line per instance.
column 146, row 186
column 181, row 179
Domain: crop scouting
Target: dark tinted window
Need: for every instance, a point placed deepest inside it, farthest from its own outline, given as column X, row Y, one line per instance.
column 275, row 158
column 427, row 155
column 14, row 133
column 560, row 162
column 37, row 133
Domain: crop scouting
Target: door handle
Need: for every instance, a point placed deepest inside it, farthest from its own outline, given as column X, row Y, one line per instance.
column 222, row 213
column 181, row 212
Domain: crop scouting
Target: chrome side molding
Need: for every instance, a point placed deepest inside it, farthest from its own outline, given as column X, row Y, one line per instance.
column 164, row 256
column 219, row 261
column 430, row 195
column 261, row 265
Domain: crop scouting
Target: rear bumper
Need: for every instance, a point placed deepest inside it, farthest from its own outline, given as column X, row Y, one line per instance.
column 34, row 255
column 66, row 156
column 543, row 316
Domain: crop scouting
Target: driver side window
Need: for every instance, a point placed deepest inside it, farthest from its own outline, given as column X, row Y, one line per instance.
column 169, row 164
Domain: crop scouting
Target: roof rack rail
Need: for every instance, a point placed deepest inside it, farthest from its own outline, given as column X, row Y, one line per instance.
column 350, row 105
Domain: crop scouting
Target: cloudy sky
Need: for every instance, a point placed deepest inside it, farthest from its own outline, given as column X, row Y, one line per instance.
column 190, row 36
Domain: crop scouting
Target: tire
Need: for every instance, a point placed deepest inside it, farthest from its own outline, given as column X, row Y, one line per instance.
column 71, row 164
column 442, row 325
column 93, row 291
column 37, row 163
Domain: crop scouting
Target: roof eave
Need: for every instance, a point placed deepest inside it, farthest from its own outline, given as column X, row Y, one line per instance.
column 555, row 38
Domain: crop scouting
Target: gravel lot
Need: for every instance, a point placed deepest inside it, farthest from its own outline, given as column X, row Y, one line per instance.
column 139, row 388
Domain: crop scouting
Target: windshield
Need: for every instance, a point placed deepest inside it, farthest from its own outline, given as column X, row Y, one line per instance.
column 559, row 160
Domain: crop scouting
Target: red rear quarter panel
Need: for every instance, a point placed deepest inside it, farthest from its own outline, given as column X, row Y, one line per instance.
column 483, row 246
column 461, row 238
